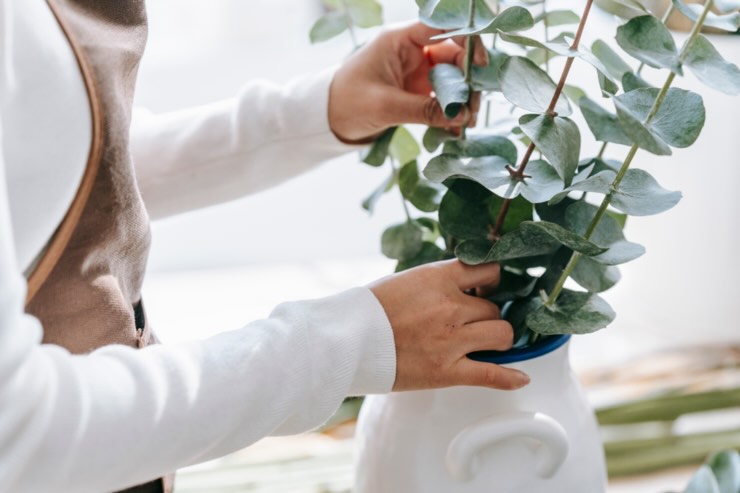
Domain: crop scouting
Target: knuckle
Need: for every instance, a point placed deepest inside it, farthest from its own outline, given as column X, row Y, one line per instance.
column 430, row 111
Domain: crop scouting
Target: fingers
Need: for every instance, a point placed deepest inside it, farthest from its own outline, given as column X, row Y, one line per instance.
column 478, row 309
column 478, row 374
column 472, row 276
column 454, row 53
column 403, row 107
column 488, row 335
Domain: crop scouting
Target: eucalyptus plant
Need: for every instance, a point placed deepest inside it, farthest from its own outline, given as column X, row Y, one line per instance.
column 518, row 189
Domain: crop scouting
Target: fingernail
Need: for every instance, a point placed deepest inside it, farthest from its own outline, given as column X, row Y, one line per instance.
column 521, row 379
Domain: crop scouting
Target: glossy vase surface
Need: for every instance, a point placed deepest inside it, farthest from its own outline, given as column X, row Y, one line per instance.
column 542, row 438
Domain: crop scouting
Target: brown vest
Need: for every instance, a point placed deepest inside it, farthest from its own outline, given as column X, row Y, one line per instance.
column 86, row 289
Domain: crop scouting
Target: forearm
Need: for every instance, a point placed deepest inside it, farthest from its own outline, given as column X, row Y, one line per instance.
column 220, row 152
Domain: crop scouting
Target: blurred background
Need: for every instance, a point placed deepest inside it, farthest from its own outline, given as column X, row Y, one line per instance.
column 218, row 268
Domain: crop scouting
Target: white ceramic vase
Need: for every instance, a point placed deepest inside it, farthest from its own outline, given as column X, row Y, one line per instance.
column 542, row 438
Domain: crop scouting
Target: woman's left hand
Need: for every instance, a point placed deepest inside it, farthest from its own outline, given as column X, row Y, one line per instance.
column 386, row 83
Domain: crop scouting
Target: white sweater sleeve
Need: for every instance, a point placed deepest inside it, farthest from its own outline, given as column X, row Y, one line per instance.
column 219, row 152
column 118, row 416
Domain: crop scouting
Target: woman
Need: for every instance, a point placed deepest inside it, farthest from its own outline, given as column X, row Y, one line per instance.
column 80, row 408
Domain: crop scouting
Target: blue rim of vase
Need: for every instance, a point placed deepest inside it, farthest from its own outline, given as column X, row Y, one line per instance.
column 540, row 348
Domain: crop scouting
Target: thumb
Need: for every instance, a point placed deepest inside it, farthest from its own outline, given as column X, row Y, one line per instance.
column 405, row 107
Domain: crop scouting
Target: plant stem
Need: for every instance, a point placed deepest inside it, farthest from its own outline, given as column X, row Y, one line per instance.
column 350, row 24
column 628, row 160
column 547, row 35
column 600, row 155
column 403, row 199
column 550, row 111
column 469, row 55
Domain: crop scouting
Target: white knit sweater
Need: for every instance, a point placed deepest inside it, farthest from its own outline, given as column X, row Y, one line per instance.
column 118, row 416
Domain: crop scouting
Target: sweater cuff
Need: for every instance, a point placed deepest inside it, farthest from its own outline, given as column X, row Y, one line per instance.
column 376, row 372
column 314, row 90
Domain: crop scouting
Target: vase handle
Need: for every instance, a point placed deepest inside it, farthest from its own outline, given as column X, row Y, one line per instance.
column 551, row 451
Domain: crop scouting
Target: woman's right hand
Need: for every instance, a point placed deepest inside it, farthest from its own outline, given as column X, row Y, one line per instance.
column 436, row 324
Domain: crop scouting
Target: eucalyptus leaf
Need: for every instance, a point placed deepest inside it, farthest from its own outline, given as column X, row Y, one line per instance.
column 488, row 171
column 512, row 285
column 639, row 194
column 403, row 147
column 521, row 244
column 463, row 212
column 728, row 22
column 620, row 252
column 448, row 83
column 422, row 194
column 703, row 481
column 509, row 20
column 724, row 6
column 554, row 18
column 529, row 87
column 452, row 14
column 595, row 277
column 573, row 313
column 650, row 41
column 611, row 60
column 541, row 184
column 402, row 241
column 604, row 125
column 481, row 145
column 364, row 13
column 708, row 66
column 435, row 137
column 487, row 78
column 631, row 81
column 429, row 253
column 563, row 236
column 574, row 93
column 679, row 119
column 559, row 140
column 726, row 468
column 377, row 153
column 599, row 183
column 578, row 218
column 474, row 251
column 369, row 203
column 328, row 26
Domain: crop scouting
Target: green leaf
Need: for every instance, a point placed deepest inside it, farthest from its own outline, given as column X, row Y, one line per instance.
column 422, row 194
column 594, row 276
column 513, row 245
column 429, row 253
column 639, row 194
column 564, row 237
column 452, row 14
column 473, row 251
column 488, row 171
column 620, row 252
column 679, row 119
column 434, row 137
column 403, row 147
column 448, row 83
column 513, row 285
column 728, row 22
column 558, row 18
column 603, row 124
column 529, row 87
column 726, row 468
column 703, row 481
column 578, row 217
column 648, row 40
column 377, row 153
column 708, row 66
column 487, row 78
column 463, row 212
column 511, row 19
column 598, row 183
column 481, row 145
column 328, row 26
column 611, row 60
column 572, row 313
column 631, row 81
column 542, row 182
column 558, row 139
column 633, row 4
column 402, row 241
column 365, row 13
column 369, row 203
